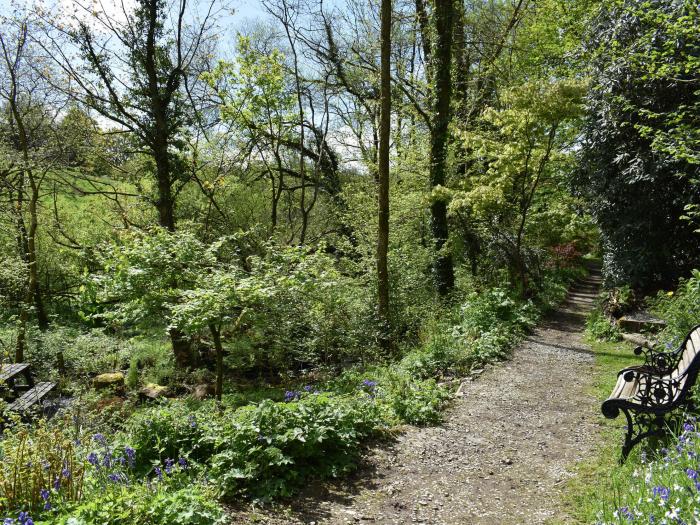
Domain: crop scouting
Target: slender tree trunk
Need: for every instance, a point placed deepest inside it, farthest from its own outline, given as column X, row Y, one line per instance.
column 216, row 336
column 442, row 63
column 383, row 171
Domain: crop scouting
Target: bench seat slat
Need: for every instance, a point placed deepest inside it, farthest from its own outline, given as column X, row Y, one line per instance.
column 32, row 397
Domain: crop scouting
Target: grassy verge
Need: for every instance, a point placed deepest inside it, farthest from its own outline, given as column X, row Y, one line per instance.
column 602, row 474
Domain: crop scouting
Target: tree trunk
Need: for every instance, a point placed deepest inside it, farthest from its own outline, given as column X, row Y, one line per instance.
column 216, row 336
column 442, row 63
column 383, row 172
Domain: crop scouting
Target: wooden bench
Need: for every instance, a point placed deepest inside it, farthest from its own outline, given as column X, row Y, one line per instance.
column 27, row 395
column 648, row 392
column 33, row 396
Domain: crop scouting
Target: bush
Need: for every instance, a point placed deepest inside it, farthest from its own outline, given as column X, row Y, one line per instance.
column 600, row 328
column 680, row 309
column 440, row 355
column 417, row 403
column 251, row 450
column 180, row 502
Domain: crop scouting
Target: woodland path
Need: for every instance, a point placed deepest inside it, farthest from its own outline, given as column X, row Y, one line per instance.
column 503, row 455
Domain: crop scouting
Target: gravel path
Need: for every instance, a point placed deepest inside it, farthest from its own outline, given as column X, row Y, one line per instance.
column 507, row 447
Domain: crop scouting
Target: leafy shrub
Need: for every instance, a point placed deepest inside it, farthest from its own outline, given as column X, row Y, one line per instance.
column 417, row 403
column 274, row 447
column 85, row 353
column 251, row 450
column 441, row 354
column 663, row 490
column 600, row 328
column 181, row 502
column 680, row 309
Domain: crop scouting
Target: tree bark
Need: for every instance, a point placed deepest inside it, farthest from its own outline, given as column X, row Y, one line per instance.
column 216, row 336
column 383, row 173
column 442, row 63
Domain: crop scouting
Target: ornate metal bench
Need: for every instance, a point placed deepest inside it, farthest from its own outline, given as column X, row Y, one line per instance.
column 646, row 393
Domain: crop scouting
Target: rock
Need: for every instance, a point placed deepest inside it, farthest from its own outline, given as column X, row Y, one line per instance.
column 203, row 391
column 153, row 391
column 507, row 461
column 115, row 380
column 639, row 340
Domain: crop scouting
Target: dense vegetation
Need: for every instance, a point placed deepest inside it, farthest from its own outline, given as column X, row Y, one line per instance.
column 283, row 240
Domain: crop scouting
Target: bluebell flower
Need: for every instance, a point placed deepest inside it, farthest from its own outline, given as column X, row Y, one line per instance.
column 661, row 492
column 65, row 473
column 99, row 438
column 687, row 427
column 107, row 459
column 692, row 474
column 159, row 473
column 116, row 477
column 169, row 466
column 92, row 459
column 193, row 421
column 8, row 521
column 369, row 383
column 44, row 494
column 182, row 462
column 57, row 483
column 308, row 388
column 291, row 395
column 130, row 456
column 625, row 512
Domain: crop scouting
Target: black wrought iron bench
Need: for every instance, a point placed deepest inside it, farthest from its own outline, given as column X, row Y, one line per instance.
column 645, row 394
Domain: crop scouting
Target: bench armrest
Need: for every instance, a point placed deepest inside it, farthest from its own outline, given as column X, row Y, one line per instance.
column 654, row 391
column 660, row 362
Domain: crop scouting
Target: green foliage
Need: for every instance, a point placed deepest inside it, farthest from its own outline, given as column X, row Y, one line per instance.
column 167, row 502
column 680, row 309
column 417, row 403
column 264, row 450
column 601, row 328
column 638, row 165
column 38, row 459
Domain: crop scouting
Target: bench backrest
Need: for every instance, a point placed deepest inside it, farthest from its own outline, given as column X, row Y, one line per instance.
column 689, row 361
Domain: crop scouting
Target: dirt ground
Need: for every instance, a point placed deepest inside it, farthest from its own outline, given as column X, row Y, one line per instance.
column 507, row 447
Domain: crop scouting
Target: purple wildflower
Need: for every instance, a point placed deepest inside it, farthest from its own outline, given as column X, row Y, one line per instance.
column 625, row 512
column 192, row 421
column 661, row 492
column 308, row 388
column 8, row 521
column 182, row 462
column 99, row 438
column 130, row 456
column 65, row 473
column 692, row 474
column 57, row 483
column 291, row 395
column 687, row 427
column 92, row 459
column 169, row 466
column 159, row 473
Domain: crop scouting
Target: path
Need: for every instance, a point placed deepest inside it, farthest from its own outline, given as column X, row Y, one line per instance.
column 503, row 455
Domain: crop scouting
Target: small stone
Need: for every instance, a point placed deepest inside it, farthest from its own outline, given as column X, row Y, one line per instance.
column 507, row 461
column 153, row 391
column 115, row 380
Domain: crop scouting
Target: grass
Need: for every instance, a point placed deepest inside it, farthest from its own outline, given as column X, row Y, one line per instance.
column 602, row 474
